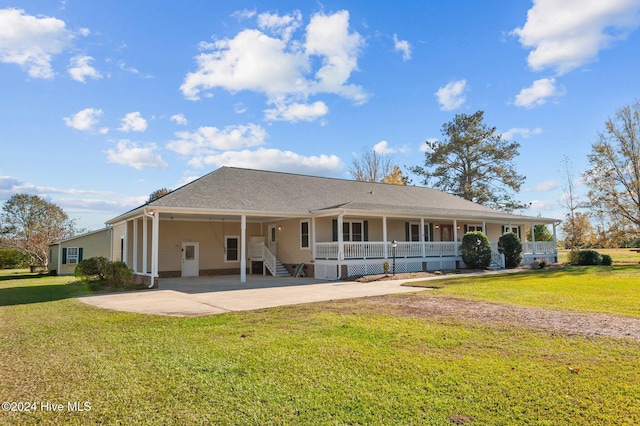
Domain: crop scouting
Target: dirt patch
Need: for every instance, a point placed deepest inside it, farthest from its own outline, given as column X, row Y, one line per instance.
column 586, row 324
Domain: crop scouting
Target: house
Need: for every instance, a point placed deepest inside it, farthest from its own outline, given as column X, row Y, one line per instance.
column 234, row 221
column 64, row 255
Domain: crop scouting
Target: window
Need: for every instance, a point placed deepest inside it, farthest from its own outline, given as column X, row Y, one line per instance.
column 72, row 255
column 414, row 232
column 352, row 231
column 474, row 228
column 231, row 252
column 514, row 229
column 304, row 234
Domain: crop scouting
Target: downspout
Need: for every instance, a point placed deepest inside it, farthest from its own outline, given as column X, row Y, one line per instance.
column 151, row 215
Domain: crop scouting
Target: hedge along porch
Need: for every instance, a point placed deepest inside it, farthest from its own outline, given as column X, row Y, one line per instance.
column 236, row 220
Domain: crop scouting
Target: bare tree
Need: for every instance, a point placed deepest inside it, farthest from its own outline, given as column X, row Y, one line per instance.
column 572, row 203
column 371, row 166
column 614, row 173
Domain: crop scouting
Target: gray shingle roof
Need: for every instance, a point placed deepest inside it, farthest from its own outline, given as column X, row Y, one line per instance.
column 236, row 189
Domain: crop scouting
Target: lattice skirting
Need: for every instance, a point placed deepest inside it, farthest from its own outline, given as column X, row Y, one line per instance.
column 325, row 272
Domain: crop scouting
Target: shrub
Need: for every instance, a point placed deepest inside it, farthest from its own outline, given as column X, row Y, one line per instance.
column 476, row 250
column 606, row 260
column 589, row 257
column 385, row 268
column 91, row 269
column 118, row 273
column 96, row 270
column 509, row 244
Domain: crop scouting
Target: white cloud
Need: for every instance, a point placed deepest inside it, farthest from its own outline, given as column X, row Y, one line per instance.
column 130, row 154
column 283, row 26
column 133, row 122
column 564, row 35
column 451, row 96
column 84, row 120
column 425, row 146
column 270, row 61
column 538, row 93
column 403, row 47
column 31, row 41
column 208, row 140
column 274, row 159
column 179, row 119
column 522, row 131
column 543, row 205
column 383, row 147
column 297, row 112
column 546, row 186
column 79, row 68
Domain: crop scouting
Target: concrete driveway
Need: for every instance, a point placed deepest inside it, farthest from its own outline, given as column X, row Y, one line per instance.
column 208, row 296
column 187, row 297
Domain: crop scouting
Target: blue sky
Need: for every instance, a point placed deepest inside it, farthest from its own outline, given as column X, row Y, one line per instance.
column 104, row 102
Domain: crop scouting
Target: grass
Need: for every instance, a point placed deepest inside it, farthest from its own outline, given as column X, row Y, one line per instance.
column 607, row 289
column 322, row 363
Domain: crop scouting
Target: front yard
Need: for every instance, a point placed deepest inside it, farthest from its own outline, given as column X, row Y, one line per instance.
column 364, row 361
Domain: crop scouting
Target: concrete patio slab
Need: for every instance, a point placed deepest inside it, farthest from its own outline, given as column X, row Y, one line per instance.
column 200, row 296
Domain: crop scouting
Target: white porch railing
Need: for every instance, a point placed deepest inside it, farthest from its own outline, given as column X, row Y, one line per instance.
column 542, row 247
column 376, row 249
column 269, row 260
column 539, row 247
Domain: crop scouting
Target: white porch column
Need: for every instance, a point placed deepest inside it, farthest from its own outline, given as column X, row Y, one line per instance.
column 145, row 237
column 423, row 248
column 313, row 238
column 340, row 237
column 155, row 239
column 555, row 242
column 484, row 227
column 243, row 249
column 135, row 245
column 533, row 238
column 455, row 235
column 385, row 247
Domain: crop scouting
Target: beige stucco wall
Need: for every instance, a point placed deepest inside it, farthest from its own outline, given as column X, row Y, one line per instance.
column 93, row 245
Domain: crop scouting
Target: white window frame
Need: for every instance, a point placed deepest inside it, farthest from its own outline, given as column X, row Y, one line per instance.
column 308, row 235
column 226, row 248
column 72, row 259
column 350, row 234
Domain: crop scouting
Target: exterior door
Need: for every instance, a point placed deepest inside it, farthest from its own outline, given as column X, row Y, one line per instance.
column 273, row 239
column 446, row 232
column 190, row 259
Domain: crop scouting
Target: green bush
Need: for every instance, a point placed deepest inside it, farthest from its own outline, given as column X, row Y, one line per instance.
column 476, row 250
column 118, row 273
column 589, row 257
column 91, row 269
column 509, row 244
column 11, row 258
column 606, row 260
column 97, row 270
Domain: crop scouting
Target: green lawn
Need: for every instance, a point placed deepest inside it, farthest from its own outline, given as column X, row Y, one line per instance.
column 614, row 290
column 324, row 363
